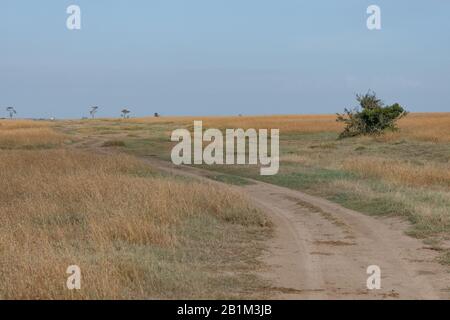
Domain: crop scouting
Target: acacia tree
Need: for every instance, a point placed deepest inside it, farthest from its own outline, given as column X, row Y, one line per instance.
column 11, row 112
column 93, row 111
column 125, row 113
column 371, row 117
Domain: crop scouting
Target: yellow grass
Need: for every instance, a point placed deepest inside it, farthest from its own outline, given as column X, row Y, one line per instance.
column 103, row 213
column 27, row 134
column 32, row 137
column 434, row 127
column 23, row 124
column 400, row 172
column 286, row 123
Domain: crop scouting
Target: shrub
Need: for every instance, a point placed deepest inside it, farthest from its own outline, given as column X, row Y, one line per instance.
column 371, row 117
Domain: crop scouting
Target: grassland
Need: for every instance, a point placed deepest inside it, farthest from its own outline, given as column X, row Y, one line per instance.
column 433, row 127
column 25, row 134
column 134, row 232
column 138, row 233
column 404, row 173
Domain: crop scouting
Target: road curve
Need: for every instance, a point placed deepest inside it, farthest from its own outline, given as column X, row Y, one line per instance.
column 321, row 250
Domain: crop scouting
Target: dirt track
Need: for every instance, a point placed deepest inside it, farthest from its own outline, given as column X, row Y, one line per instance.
column 322, row 250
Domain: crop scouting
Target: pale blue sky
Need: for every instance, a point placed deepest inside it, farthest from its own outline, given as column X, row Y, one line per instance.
column 221, row 56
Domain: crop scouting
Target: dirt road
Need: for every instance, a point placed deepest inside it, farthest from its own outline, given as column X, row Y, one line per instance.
column 322, row 250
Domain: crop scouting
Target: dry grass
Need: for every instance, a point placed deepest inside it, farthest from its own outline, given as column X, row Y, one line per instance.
column 286, row 124
column 29, row 138
column 107, row 214
column 16, row 134
column 427, row 208
column 434, row 127
column 399, row 172
column 402, row 173
column 23, row 124
column 124, row 225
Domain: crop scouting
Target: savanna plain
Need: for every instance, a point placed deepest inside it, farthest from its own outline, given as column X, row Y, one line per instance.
column 81, row 192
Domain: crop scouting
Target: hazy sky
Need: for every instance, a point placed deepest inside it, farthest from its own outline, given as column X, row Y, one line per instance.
column 221, row 56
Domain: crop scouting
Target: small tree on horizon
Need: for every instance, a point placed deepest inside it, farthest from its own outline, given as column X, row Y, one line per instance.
column 93, row 111
column 125, row 113
column 371, row 117
column 11, row 112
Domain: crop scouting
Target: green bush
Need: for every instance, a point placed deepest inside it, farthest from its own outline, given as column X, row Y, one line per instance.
column 372, row 117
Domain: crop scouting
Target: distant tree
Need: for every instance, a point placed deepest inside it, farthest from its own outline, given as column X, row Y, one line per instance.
column 156, row 115
column 93, row 111
column 371, row 117
column 11, row 112
column 125, row 113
